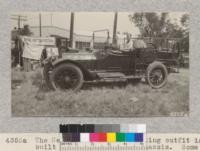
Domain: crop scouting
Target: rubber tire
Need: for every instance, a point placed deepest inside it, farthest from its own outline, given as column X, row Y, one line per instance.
column 150, row 68
column 67, row 66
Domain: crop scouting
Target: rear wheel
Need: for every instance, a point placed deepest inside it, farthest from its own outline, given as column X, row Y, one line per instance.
column 156, row 75
column 67, row 76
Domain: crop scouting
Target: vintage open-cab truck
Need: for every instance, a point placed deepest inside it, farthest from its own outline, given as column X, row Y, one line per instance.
column 109, row 64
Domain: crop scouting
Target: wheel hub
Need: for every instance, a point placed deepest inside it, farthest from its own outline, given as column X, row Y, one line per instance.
column 157, row 74
column 67, row 79
column 157, row 77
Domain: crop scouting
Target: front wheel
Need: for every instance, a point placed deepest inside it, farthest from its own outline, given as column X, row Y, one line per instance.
column 156, row 75
column 67, row 76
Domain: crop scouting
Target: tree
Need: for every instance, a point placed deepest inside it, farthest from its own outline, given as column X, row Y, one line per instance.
column 185, row 23
column 150, row 24
column 159, row 25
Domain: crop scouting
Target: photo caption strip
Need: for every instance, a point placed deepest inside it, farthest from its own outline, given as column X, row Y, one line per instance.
column 53, row 141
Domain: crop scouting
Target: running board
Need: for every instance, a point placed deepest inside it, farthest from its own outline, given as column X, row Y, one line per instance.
column 119, row 79
column 107, row 80
column 110, row 75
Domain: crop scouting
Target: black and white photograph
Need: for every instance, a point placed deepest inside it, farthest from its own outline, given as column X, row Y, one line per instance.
column 100, row 64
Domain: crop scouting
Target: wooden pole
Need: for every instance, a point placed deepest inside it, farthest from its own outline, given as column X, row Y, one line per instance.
column 40, row 24
column 19, row 18
column 114, row 41
column 71, row 30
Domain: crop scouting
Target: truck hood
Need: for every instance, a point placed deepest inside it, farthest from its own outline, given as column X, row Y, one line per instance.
column 79, row 56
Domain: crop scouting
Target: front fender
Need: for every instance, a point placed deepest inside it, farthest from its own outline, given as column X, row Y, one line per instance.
column 87, row 75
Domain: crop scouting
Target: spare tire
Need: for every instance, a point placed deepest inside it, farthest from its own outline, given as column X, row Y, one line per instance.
column 67, row 76
column 156, row 75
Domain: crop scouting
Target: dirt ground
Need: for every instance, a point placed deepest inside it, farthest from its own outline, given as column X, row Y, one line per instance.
column 30, row 97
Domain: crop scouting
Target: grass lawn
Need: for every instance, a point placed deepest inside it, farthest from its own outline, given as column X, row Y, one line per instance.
column 32, row 98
